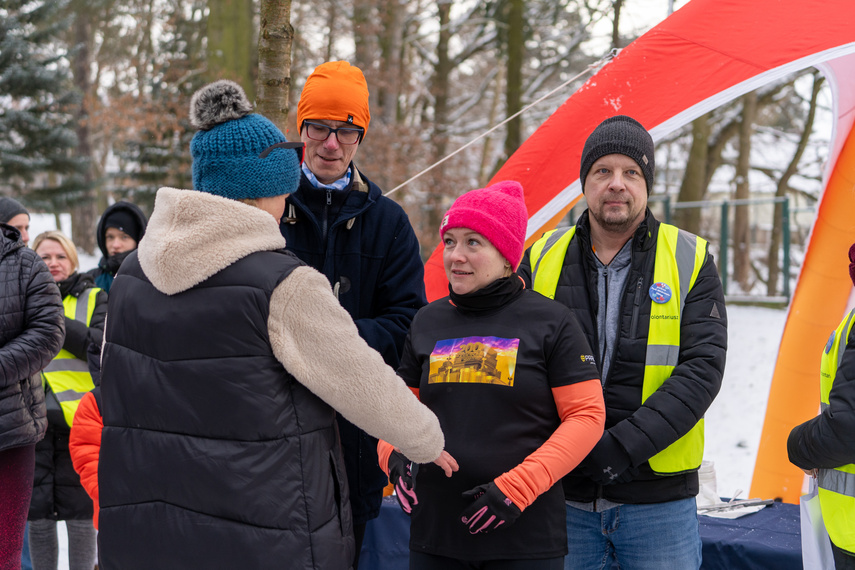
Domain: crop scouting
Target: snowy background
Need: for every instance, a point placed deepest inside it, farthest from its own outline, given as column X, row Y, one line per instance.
column 735, row 420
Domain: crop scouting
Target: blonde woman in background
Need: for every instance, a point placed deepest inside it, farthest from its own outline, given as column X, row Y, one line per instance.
column 57, row 492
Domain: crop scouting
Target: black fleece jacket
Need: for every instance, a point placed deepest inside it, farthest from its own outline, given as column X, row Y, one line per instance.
column 828, row 440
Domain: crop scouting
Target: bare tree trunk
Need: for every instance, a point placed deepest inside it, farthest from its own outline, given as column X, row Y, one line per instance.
column 513, row 88
column 332, row 10
column 230, row 39
column 781, row 190
column 145, row 19
column 274, row 61
column 618, row 4
column 439, row 88
column 694, row 185
column 742, row 214
column 391, row 46
column 483, row 175
column 364, row 36
column 83, row 213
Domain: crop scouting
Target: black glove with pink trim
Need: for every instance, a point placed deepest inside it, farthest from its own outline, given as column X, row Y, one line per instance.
column 402, row 474
column 491, row 509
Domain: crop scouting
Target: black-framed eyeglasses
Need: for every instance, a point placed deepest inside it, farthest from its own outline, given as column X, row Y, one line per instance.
column 297, row 146
column 344, row 135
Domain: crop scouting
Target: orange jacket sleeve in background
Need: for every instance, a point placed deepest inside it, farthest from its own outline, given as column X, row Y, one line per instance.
column 583, row 416
column 85, row 446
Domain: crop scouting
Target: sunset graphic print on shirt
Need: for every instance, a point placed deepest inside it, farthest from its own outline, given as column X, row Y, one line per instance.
column 474, row 359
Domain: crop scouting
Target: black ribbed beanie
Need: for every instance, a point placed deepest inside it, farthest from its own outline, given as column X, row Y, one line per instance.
column 619, row 135
column 9, row 208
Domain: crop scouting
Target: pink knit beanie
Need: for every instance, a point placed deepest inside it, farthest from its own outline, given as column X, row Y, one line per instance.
column 496, row 212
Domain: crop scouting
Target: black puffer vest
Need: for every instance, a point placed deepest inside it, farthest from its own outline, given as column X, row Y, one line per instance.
column 212, row 455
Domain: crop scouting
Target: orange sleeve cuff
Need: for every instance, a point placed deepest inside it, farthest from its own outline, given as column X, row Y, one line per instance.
column 384, row 451
column 84, row 445
column 583, row 416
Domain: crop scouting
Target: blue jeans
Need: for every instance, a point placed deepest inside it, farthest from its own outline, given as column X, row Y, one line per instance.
column 26, row 563
column 638, row 537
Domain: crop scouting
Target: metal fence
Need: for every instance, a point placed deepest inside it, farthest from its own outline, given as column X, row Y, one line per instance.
column 717, row 223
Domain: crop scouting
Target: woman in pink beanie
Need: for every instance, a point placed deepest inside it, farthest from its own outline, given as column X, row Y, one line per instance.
column 513, row 382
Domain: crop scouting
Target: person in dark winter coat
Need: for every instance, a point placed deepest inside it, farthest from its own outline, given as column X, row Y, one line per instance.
column 221, row 378
column 57, row 492
column 650, row 301
column 339, row 222
column 514, row 384
column 824, row 447
column 119, row 232
column 16, row 215
column 31, row 335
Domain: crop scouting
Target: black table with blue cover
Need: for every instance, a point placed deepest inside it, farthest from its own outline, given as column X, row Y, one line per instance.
column 766, row 540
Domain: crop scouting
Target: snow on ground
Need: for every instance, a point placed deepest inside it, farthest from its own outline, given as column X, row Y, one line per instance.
column 735, row 420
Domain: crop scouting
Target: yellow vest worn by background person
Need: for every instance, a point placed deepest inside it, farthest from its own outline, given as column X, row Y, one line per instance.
column 68, row 376
column 679, row 257
column 837, row 486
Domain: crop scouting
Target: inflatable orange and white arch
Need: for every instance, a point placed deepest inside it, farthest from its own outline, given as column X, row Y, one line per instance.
column 705, row 54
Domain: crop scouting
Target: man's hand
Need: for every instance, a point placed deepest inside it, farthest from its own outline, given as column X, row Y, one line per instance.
column 607, row 463
column 491, row 509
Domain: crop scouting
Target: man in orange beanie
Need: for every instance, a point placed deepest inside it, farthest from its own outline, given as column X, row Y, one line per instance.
column 339, row 222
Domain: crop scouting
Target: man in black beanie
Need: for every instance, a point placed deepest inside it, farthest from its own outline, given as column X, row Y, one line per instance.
column 649, row 298
column 16, row 215
column 119, row 232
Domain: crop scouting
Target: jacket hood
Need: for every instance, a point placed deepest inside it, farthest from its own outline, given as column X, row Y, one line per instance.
column 131, row 209
column 12, row 241
column 193, row 235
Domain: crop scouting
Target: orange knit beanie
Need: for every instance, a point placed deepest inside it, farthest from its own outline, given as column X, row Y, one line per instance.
column 335, row 91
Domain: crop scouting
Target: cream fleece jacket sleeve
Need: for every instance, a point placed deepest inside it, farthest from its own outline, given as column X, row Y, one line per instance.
column 317, row 342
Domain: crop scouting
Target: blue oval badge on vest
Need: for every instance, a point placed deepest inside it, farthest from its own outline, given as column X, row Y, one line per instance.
column 660, row 293
column 830, row 344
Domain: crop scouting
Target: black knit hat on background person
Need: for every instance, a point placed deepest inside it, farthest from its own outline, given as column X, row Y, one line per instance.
column 9, row 208
column 125, row 221
column 619, row 135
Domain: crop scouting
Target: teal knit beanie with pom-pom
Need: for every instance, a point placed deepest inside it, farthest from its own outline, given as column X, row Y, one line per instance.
column 230, row 138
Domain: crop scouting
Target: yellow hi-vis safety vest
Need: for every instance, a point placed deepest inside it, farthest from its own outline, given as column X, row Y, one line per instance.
column 837, row 486
column 679, row 257
column 67, row 375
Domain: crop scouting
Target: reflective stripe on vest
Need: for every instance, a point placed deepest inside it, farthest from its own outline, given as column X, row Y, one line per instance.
column 548, row 253
column 679, row 258
column 67, row 375
column 837, row 486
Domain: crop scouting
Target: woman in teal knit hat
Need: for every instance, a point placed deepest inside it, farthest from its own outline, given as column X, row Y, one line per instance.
column 225, row 360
